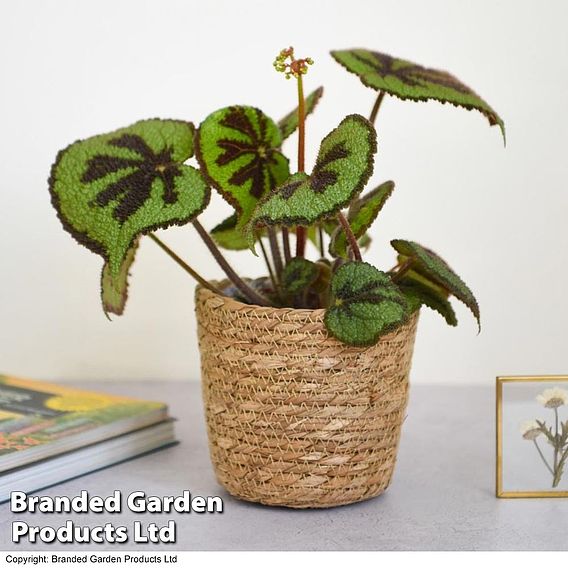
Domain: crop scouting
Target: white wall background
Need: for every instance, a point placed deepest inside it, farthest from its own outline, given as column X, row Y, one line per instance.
column 72, row 69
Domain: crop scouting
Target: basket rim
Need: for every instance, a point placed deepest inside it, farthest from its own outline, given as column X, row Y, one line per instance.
column 314, row 316
column 234, row 304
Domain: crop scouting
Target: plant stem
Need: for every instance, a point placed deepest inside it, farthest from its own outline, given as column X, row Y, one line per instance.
column 184, row 264
column 321, row 243
column 542, row 457
column 555, row 440
column 301, row 125
column 403, row 269
column 336, row 264
column 300, row 240
column 376, row 107
column 350, row 236
column 252, row 295
column 301, row 231
column 275, row 250
column 268, row 265
column 286, row 244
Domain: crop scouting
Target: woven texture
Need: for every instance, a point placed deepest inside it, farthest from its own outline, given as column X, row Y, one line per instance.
column 294, row 417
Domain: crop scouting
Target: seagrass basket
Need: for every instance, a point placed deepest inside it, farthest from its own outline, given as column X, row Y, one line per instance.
column 294, row 417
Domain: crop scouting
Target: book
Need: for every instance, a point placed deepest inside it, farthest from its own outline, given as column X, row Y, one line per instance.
column 86, row 460
column 50, row 433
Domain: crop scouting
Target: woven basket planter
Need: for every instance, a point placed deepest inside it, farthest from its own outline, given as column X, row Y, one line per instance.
column 294, row 417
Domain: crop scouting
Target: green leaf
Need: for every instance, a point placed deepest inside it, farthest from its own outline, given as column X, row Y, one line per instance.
column 289, row 123
column 419, row 291
column 298, row 275
column 343, row 166
column 361, row 216
column 114, row 290
column 365, row 242
column 238, row 150
column 365, row 304
column 364, row 210
column 109, row 189
column 407, row 80
column 428, row 264
column 329, row 225
column 547, row 432
column 228, row 236
column 321, row 284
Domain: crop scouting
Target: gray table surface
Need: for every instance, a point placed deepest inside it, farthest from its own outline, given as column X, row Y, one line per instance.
column 441, row 498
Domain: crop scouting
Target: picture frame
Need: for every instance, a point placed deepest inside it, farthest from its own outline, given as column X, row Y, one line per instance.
column 547, row 458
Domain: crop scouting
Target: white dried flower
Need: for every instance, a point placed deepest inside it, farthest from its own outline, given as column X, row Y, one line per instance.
column 530, row 430
column 553, row 398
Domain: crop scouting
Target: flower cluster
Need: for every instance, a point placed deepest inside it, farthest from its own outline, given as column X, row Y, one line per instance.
column 530, row 430
column 556, row 436
column 553, row 398
column 291, row 67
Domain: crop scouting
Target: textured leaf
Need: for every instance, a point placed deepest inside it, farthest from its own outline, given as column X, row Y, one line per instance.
column 228, row 236
column 290, row 122
column 361, row 216
column 114, row 290
column 365, row 304
column 298, row 275
column 429, row 264
column 407, row 80
column 343, row 166
column 109, row 189
column 419, row 291
column 238, row 150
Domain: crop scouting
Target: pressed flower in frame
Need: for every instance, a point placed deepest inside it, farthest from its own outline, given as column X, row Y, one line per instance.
column 553, row 398
column 556, row 435
column 530, row 430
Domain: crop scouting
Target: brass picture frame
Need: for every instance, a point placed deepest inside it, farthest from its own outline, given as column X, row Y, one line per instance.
column 499, row 491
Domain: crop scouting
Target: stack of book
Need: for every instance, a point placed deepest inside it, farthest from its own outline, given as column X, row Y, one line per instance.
column 50, row 433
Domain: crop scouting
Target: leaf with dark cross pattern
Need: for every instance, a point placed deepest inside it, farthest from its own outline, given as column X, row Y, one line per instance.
column 407, row 80
column 365, row 304
column 238, row 150
column 111, row 188
column 343, row 166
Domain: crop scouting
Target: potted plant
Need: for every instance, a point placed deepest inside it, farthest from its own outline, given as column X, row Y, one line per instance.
column 305, row 371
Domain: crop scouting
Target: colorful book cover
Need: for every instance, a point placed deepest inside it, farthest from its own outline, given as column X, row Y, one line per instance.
column 36, row 413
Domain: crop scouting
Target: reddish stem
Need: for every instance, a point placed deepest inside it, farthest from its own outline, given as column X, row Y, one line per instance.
column 300, row 240
column 350, row 236
column 251, row 294
column 268, row 265
column 301, row 125
column 376, row 107
column 275, row 251
column 184, row 264
column 403, row 269
column 286, row 244
column 301, row 231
